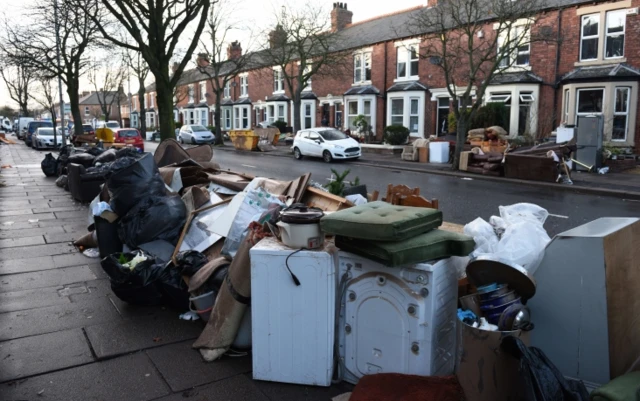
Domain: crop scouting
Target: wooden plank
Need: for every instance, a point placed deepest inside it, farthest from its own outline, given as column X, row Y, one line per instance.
column 622, row 272
column 326, row 201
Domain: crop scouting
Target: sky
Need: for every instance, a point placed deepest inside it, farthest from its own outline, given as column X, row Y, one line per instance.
column 255, row 13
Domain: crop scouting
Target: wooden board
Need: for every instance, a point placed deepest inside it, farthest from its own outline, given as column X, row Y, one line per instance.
column 464, row 160
column 326, row 201
column 622, row 264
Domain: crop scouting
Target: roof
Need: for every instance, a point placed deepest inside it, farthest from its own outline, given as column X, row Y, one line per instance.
column 363, row 90
column 520, row 77
column 388, row 27
column 602, row 72
column 95, row 98
column 308, row 95
column 407, row 86
column 245, row 100
column 278, row 98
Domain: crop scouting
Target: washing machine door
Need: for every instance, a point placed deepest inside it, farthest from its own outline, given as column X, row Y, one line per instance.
column 378, row 330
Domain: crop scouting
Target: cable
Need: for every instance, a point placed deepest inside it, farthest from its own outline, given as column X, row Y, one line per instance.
column 286, row 262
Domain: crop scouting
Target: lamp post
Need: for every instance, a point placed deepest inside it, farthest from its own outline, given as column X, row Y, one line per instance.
column 55, row 18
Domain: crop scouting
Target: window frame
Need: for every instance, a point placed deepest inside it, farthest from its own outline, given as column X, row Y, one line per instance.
column 590, row 37
column 244, row 85
column 607, row 35
column 226, row 90
column 404, row 54
column 578, row 113
column 626, row 113
column 191, row 94
column 401, row 115
column 364, row 69
column 278, row 81
column 87, row 111
column 203, row 91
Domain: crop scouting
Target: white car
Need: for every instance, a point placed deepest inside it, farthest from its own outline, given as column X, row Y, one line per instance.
column 328, row 143
column 195, row 134
column 43, row 138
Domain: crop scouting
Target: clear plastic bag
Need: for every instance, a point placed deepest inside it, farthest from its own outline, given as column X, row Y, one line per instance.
column 484, row 236
column 523, row 211
column 523, row 243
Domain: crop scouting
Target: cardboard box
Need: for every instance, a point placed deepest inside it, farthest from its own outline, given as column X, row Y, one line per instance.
column 464, row 160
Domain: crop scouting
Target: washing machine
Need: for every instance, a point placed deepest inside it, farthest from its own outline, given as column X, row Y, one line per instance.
column 293, row 320
column 396, row 319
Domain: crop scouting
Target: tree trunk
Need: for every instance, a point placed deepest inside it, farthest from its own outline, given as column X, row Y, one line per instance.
column 52, row 110
column 73, row 85
column 219, row 140
column 461, row 137
column 164, row 97
column 296, row 111
column 142, row 118
column 24, row 109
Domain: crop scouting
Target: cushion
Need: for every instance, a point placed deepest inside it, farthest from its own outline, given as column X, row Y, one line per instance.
column 432, row 245
column 381, row 221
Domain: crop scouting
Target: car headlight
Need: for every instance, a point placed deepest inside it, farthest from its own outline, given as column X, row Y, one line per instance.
column 336, row 146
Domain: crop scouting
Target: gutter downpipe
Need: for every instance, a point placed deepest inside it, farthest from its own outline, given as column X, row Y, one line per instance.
column 557, row 67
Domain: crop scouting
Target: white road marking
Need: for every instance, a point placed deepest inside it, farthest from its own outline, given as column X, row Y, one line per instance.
column 558, row 216
column 248, row 165
column 467, row 178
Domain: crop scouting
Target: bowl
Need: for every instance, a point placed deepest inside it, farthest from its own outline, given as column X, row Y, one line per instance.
column 498, row 300
column 488, row 311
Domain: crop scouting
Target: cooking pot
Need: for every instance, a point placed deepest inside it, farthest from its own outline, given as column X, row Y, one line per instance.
column 300, row 227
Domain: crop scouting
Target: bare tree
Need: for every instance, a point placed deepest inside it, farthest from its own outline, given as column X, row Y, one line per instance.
column 140, row 70
column 35, row 44
column 106, row 77
column 225, row 60
column 156, row 28
column 19, row 78
column 302, row 46
column 471, row 41
column 46, row 98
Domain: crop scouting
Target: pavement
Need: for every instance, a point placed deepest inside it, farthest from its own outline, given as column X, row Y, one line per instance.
column 65, row 336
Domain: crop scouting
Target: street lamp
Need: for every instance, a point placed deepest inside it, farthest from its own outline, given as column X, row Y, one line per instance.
column 55, row 18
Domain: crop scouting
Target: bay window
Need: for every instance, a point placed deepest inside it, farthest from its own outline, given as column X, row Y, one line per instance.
column 364, row 105
column 521, row 104
column 407, row 62
column 276, row 111
column 407, row 109
column 566, row 107
column 242, row 117
column 226, row 118
column 589, row 101
column 362, row 67
column 621, row 114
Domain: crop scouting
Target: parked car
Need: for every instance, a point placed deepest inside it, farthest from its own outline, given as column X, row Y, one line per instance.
column 328, row 143
column 155, row 135
column 129, row 136
column 22, row 126
column 44, row 138
column 195, row 134
column 107, row 124
column 32, row 127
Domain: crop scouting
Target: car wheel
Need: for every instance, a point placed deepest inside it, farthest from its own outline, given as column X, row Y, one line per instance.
column 181, row 140
column 326, row 156
column 297, row 154
column 193, row 140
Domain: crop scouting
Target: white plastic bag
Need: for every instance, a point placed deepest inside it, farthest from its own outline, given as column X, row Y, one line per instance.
column 484, row 236
column 356, row 199
column 523, row 211
column 523, row 243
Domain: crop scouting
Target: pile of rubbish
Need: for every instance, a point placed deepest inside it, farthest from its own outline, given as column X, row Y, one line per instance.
column 244, row 254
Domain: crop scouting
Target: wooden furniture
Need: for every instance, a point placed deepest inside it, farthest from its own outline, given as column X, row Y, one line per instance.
column 418, row 201
column 529, row 167
column 394, row 192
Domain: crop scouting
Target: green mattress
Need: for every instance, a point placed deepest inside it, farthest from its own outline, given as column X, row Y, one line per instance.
column 432, row 245
column 381, row 221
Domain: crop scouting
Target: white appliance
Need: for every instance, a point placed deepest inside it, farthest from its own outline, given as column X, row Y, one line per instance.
column 438, row 152
column 293, row 325
column 396, row 319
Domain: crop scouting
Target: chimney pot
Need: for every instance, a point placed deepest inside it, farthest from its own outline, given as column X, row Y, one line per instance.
column 277, row 37
column 202, row 60
column 340, row 17
column 234, row 50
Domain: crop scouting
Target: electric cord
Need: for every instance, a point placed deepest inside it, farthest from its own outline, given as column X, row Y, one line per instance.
column 286, row 262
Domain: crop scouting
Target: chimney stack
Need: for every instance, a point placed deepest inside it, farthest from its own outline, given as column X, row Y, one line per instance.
column 234, row 50
column 202, row 60
column 340, row 17
column 277, row 37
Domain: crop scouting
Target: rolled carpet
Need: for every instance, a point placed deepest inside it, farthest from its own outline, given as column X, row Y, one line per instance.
column 398, row 387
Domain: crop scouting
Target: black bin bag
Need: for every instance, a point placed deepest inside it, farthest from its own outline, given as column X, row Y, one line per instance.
column 140, row 286
column 49, row 165
column 153, row 219
column 132, row 184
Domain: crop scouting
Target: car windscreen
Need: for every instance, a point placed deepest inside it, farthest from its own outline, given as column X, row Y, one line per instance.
column 128, row 133
column 45, row 131
column 333, row 135
column 33, row 126
column 198, row 128
column 113, row 125
column 87, row 128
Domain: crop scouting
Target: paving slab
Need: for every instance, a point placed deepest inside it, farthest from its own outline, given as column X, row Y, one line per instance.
column 31, row 299
column 46, row 278
column 58, row 209
column 237, row 388
column 97, row 270
column 55, row 318
column 44, row 353
column 31, row 232
column 73, row 259
column 27, row 218
column 130, row 378
column 183, row 367
column 37, row 250
column 14, row 224
column 67, row 215
column 281, row 391
column 20, row 212
column 117, row 338
column 22, row 241
column 40, row 263
column 64, row 237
